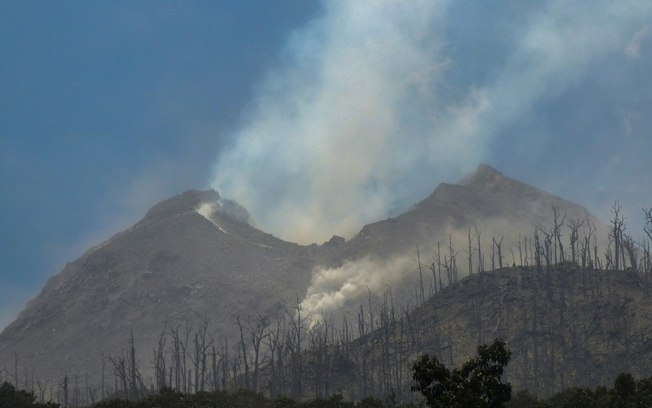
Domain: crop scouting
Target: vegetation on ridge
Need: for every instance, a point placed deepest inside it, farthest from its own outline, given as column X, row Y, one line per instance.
column 573, row 315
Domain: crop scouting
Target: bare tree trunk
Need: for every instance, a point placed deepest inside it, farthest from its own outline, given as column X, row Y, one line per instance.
column 558, row 223
column 422, row 293
column 498, row 245
column 574, row 226
column 132, row 365
column 452, row 255
column 244, row 353
column 160, row 369
column 480, row 258
column 470, row 254
column 257, row 333
column 617, row 225
column 64, row 385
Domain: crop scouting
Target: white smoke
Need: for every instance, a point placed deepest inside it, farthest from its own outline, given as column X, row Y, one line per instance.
column 331, row 288
column 206, row 210
column 335, row 128
column 351, row 125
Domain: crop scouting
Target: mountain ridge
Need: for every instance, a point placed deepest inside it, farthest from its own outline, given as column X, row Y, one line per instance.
column 176, row 265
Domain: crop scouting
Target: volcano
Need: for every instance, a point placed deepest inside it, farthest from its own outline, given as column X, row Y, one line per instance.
column 195, row 257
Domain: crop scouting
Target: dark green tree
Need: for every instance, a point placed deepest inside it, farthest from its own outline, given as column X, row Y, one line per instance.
column 524, row 399
column 477, row 384
column 11, row 397
column 576, row 397
column 623, row 394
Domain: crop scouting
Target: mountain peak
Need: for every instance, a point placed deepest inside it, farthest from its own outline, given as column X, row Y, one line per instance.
column 184, row 202
column 483, row 174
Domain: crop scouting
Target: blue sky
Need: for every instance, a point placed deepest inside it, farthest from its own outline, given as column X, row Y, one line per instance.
column 108, row 107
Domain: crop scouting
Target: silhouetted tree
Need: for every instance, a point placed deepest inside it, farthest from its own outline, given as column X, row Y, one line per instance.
column 478, row 383
column 10, row 397
column 616, row 233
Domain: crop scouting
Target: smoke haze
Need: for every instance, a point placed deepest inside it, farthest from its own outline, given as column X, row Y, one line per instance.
column 366, row 114
column 333, row 131
column 332, row 288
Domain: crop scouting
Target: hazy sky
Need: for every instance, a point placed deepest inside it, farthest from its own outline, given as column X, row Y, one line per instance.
column 336, row 113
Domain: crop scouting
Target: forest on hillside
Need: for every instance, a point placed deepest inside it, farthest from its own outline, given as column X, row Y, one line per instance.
column 477, row 384
column 573, row 314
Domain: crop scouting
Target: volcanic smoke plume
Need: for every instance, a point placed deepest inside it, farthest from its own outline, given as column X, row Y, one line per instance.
column 365, row 115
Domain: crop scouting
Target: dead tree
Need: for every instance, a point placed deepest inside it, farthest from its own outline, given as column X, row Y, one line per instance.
column 200, row 355
column 420, row 268
column 433, row 270
column 608, row 254
column 480, row 257
column 176, row 358
column 470, row 254
column 41, row 390
column 244, row 352
column 452, row 263
column 629, row 246
column 102, row 377
column 616, row 233
column 16, row 370
column 276, row 345
column 158, row 358
column 184, row 343
column 574, row 226
column 295, row 343
column 436, row 266
column 361, row 322
column 497, row 245
column 558, row 222
column 225, row 363
column 537, row 251
column 645, row 245
column 133, row 376
column 64, row 385
column 586, row 246
column 257, row 330
column 120, row 373
column 646, row 261
column 596, row 258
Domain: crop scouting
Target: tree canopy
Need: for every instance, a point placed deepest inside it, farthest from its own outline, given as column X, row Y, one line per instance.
column 477, row 384
column 11, row 397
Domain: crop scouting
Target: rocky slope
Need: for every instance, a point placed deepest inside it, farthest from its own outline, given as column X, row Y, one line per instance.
column 498, row 205
column 194, row 256
column 172, row 267
column 565, row 326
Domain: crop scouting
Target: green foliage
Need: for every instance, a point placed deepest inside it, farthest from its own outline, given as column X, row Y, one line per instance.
column 625, row 393
column 335, row 401
column 241, row 399
column 523, row 399
column 12, row 398
column 477, row 383
column 576, row 397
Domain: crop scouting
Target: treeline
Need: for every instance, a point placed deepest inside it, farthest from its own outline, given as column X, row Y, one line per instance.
column 626, row 392
column 168, row 398
column 557, row 274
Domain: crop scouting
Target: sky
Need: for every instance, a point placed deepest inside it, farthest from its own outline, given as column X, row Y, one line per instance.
column 317, row 116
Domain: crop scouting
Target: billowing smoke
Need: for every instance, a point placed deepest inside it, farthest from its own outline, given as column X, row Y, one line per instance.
column 503, row 241
column 332, row 289
column 334, row 130
column 365, row 115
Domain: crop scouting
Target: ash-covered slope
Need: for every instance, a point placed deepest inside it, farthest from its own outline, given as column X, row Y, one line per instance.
column 193, row 257
column 565, row 325
column 498, row 205
column 173, row 266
